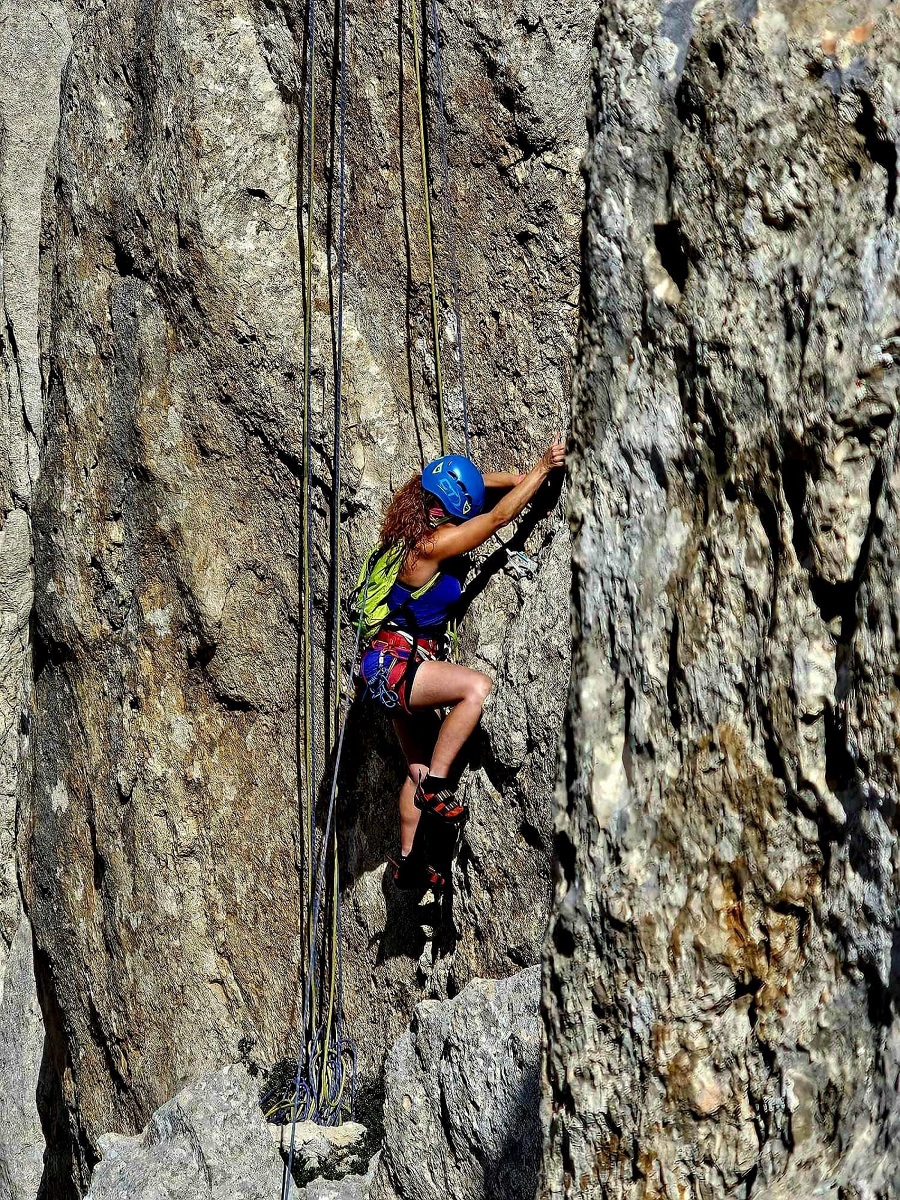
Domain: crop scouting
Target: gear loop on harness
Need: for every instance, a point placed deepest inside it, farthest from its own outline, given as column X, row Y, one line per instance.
column 379, row 686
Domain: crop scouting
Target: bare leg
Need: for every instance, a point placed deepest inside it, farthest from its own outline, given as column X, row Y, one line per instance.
column 417, row 737
column 439, row 684
column 409, row 814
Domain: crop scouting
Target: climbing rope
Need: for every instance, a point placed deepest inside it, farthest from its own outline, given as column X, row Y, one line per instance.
column 333, row 1080
column 324, row 1082
column 307, row 1057
column 429, row 232
column 449, row 216
column 336, row 468
column 309, row 739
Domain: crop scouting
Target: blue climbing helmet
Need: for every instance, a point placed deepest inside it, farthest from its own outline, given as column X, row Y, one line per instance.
column 457, row 483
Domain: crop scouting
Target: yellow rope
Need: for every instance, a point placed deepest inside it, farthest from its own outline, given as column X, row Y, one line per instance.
column 308, row 782
column 426, row 199
column 337, row 629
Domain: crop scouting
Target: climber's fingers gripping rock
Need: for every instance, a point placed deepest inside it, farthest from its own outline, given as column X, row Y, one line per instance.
column 555, row 455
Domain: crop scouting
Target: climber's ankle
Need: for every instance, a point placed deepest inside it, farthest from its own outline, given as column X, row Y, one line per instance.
column 432, row 784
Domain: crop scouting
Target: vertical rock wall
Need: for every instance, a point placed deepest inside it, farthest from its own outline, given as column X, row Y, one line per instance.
column 34, row 42
column 160, row 849
column 722, row 982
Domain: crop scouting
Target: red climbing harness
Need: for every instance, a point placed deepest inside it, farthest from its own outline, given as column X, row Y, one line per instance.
column 389, row 666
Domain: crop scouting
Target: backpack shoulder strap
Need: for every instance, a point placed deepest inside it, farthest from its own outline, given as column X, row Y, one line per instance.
column 426, row 587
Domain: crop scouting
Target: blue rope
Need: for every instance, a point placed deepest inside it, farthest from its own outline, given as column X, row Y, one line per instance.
column 301, row 1081
column 449, row 215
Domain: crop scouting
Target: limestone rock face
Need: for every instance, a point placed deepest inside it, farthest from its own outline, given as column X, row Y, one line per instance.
column 21, row 1056
column 461, row 1119
column 722, row 990
column 34, row 42
column 462, row 1097
column 210, row 1140
column 160, row 848
column 324, row 1152
column 353, row 1187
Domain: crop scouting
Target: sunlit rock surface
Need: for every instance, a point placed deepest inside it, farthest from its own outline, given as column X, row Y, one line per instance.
column 34, row 41
column 462, row 1097
column 722, row 982
column 158, row 848
column 209, row 1140
column 461, row 1118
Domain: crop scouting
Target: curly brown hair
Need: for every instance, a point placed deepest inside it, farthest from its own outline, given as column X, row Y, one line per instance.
column 406, row 522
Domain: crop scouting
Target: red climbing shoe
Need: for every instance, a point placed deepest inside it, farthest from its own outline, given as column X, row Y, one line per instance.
column 410, row 874
column 441, row 804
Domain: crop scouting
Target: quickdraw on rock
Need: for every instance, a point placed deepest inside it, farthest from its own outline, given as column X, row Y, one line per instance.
column 519, row 565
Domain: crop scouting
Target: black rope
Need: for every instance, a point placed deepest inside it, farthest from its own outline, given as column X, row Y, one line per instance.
column 325, row 1081
column 336, row 463
column 336, row 484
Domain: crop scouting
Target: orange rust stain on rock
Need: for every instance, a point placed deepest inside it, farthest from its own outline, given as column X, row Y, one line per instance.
column 861, row 33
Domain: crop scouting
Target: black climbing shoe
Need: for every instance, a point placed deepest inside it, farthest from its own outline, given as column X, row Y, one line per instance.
column 411, row 874
column 443, row 804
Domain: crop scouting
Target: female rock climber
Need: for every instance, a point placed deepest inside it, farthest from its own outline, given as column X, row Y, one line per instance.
column 434, row 518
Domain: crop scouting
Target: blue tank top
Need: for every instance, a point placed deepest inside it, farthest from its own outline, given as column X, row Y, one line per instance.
column 430, row 612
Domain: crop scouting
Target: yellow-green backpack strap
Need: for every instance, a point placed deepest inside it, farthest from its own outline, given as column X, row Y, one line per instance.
column 426, row 587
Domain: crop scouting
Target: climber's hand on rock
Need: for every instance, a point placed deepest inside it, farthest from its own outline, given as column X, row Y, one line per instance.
column 555, row 456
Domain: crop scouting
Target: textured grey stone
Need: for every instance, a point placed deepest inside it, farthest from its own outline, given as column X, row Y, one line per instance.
column 322, row 1151
column 160, row 862
column 722, row 989
column 352, row 1187
column 34, row 42
column 209, row 1141
column 462, row 1097
column 21, row 1053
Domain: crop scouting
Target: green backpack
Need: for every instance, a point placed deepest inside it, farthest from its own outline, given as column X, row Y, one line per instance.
column 368, row 607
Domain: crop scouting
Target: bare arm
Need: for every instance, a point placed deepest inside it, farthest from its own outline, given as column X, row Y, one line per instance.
column 449, row 541
column 502, row 480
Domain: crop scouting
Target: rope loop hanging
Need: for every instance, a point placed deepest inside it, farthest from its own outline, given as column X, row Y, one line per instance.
column 449, row 218
column 324, row 1084
column 325, row 1080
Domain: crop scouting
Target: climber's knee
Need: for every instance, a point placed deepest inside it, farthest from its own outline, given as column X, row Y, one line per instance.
column 480, row 688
